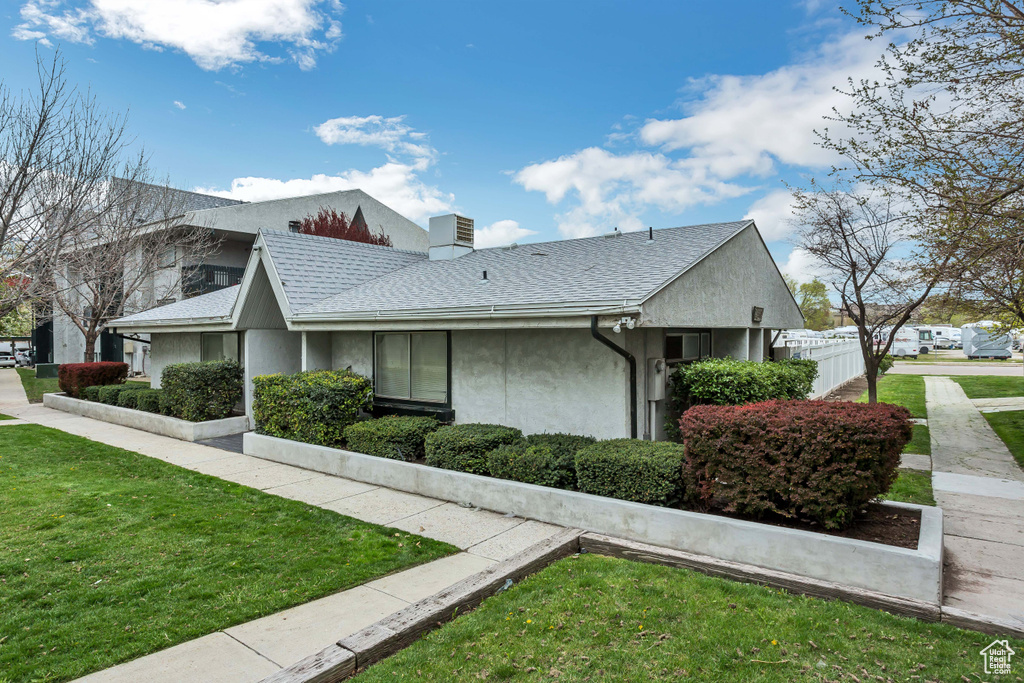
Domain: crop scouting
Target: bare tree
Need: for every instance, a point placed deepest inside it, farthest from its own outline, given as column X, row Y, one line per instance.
column 57, row 149
column 134, row 253
column 864, row 247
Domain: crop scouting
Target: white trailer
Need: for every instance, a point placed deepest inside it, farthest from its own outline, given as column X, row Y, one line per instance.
column 986, row 340
column 942, row 335
column 904, row 344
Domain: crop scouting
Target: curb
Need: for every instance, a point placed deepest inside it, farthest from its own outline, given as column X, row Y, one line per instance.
column 399, row 630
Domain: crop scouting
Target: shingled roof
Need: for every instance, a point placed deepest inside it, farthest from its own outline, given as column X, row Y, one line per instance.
column 323, row 278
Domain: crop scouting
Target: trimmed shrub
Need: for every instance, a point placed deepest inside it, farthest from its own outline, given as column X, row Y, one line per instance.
column 529, row 464
column 73, row 377
column 543, row 459
column 815, row 461
column 90, row 393
column 129, row 398
column 111, row 393
column 631, row 469
column 885, row 365
column 148, row 400
column 726, row 382
column 314, row 407
column 465, row 447
column 202, row 391
column 165, row 403
column 393, row 436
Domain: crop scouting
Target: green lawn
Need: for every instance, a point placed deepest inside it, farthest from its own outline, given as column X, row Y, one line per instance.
column 902, row 390
column 912, row 486
column 602, row 619
column 35, row 388
column 106, row 555
column 920, row 442
column 5, row 417
column 1009, row 425
column 987, row 386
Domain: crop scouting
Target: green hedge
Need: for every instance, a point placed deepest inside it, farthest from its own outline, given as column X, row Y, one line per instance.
column 543, row 459
column 314, row 407
column 727, row 382
column 111, row 393
column 90, row 393
column 393, row 436
column 129, row 399
column 465, row 447
column 202, row 391
column 630, row 469
column 148, row 400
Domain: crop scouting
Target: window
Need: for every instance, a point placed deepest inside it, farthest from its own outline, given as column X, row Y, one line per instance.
column 687, row 346
column 411, row 366
column 168, row 257
column 294, row 226
column 221, row 346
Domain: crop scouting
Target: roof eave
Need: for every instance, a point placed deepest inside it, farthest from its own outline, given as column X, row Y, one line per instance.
column 611, row 307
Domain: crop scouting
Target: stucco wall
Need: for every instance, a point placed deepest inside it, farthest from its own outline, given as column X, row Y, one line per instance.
column 730, row 343
column 540, row 380
column 267, row 352
column 353, row 349
column 316, row 351
column 721, row 290
column 174, row 347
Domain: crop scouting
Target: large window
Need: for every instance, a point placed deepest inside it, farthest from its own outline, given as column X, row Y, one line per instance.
column 222, row 346
column 412, row 366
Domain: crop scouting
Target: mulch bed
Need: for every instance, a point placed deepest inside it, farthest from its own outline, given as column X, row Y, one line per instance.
column 876, row 523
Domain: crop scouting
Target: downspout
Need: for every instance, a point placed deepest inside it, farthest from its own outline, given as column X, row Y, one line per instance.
column 632, row 371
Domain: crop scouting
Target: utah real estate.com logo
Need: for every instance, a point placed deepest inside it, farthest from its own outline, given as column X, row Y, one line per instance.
column 997, row 657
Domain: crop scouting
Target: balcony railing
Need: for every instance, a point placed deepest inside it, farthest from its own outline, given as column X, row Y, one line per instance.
column 204, row 279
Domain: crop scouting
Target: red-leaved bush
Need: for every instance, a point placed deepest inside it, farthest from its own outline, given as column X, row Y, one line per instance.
column 73, row 377
column 815, row 461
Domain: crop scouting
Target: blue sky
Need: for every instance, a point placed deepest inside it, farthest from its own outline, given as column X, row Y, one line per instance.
column 541, row 120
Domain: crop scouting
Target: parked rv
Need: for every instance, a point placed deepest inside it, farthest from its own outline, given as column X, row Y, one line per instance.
column 986, row 339
column 905, row 343
column 942, row 335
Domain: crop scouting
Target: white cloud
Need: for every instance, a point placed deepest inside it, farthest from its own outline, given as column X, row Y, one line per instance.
column 748, row 124
column 179, row 104
column 614, row 189
column 394, row 184
column 736, row 131
column 214, row 33
column 387, row 133
column 773, row 214
column 500, row 233
column 803, row 267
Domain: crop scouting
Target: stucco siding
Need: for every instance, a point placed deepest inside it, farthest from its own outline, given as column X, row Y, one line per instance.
column 721, row 291
column 540, row 381
column 173, row 347
column 268, row 352
column 353, row 349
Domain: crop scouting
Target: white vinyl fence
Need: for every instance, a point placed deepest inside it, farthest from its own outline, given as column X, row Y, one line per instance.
column 839, row 360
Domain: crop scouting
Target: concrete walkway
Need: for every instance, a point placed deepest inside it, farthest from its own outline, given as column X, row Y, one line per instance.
column 249, row 652
column 980, row 489
column 998, row 405
column 961, row 368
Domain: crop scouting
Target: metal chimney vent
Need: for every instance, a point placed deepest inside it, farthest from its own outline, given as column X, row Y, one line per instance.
column 463, row 230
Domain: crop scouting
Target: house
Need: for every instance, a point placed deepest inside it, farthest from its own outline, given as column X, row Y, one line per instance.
column 234, row 225
column 559, row 336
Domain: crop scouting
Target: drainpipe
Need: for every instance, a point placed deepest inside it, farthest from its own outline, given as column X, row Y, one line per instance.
column 632, row 371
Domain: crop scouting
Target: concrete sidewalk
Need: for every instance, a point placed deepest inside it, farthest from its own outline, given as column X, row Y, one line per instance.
column 251, row 651
column 980, row 489
column 961, row 368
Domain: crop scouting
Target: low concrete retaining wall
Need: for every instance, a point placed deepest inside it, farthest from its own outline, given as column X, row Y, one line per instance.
column 148, row 422
column 914, row 574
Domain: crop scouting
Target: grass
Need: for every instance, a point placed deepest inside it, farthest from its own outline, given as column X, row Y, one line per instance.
column 35, row 388
column 141, row 380
column 912, row 486
column 1009, row 425
column 988, row 386
column 920, row 442
column 107, row 555
column 5, row 417
column 901, row 390
column 602, row 619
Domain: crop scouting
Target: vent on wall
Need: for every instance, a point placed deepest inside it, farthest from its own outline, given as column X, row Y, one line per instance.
column 463, row 230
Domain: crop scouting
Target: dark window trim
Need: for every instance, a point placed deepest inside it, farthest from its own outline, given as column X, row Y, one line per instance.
column 691, row 330
column 382, row 405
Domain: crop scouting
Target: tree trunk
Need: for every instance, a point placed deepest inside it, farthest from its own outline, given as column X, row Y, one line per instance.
column 90, row 346
column 871, row 374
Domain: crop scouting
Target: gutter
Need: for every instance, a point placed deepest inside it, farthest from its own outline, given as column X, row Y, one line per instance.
column 614, row 307
column 632, row 372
